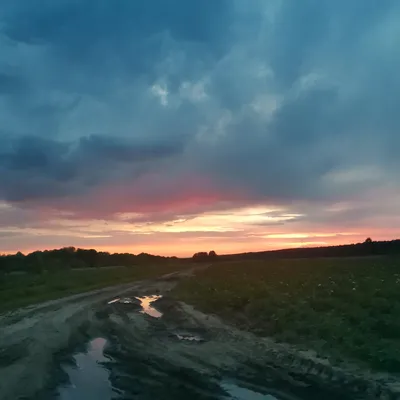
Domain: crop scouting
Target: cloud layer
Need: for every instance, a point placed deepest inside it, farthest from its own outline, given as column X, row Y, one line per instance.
column 171, row 110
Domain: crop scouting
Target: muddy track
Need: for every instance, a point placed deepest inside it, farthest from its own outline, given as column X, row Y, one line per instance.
column 184, row 354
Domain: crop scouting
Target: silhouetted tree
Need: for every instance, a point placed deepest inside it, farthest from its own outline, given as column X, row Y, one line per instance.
column 36, row 262
column 212, row 255
column 200, row 256
column 89, row 257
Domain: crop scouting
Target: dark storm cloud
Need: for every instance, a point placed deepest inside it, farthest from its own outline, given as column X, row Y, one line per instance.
column 97, row 20
column 32, row 167
column 10, row 84
column 282, row 101
column 124, row 37
column 108, row 148
column 332, row 68
column 304, row 31
column 282, row 158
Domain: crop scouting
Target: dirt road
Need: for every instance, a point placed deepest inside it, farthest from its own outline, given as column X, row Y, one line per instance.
column 109, row 344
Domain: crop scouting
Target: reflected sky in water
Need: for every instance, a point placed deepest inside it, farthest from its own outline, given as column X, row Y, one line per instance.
column 89, row 380
column 240, row 393
column 148, row 308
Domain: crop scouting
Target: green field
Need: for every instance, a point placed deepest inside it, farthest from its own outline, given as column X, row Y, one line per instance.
column 17, row 290
column 345, row 308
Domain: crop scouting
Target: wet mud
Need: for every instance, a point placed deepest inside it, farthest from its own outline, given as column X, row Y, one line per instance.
column 134, row 342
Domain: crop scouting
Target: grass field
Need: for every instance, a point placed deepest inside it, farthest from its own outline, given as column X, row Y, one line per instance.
column 341, row 307
column 21, row 290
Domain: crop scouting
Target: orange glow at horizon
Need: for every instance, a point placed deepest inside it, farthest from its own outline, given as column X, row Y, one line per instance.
column 186, row 247
column 235, row 230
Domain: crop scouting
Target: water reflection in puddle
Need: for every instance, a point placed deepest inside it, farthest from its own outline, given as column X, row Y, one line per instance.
column 89, row 380
column 148, row 309
column 239, row 393
column 189, row 338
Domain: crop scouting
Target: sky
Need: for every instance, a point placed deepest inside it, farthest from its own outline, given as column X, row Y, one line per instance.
column 172, row 127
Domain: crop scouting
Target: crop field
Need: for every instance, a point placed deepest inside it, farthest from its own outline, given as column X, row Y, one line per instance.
column 345, row 308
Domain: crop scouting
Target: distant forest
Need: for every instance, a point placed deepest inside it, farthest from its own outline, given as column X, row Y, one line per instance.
column 70, row 257
column 367, row 248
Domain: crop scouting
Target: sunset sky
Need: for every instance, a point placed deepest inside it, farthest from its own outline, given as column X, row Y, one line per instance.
column 176, row 126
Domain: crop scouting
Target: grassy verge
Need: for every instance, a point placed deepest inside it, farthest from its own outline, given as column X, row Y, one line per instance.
column 345, row 308
column 21, row 290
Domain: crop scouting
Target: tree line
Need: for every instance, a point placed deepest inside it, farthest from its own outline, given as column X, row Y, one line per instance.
column 203, row 256
column 70, row 257
column 367, row 248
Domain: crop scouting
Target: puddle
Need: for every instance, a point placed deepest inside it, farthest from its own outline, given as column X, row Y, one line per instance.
column 88, row 370
column 239, row 393
column 124, row 300
column 148, row 309
column 145, row 304
column 127, row 300
column 189, row 338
